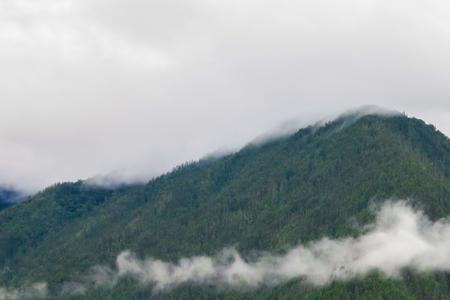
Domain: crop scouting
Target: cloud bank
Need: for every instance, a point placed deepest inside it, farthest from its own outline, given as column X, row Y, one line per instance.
column 136, row 87
column 400, row 238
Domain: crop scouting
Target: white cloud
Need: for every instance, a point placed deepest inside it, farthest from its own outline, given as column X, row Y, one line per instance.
column 52, row 30
column 89, row 87
column 35, row 291
column 401, row 238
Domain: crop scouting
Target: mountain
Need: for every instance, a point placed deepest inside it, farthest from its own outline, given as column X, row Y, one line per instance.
column 8, row 196
column 318, row 182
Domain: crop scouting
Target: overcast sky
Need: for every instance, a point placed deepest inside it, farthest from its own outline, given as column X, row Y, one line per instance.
column 136, row 87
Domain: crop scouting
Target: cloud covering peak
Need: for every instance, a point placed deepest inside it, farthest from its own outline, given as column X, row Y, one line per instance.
column 90, row 87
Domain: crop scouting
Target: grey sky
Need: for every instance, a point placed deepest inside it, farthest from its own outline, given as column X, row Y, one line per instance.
column 135, row 87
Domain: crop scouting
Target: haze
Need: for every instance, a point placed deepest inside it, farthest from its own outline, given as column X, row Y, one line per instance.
column 133, row 88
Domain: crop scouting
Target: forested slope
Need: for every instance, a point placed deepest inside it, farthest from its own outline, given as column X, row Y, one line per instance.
column 320, row 181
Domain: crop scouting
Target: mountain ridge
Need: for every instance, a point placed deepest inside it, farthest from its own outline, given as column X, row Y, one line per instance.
column 8, row 197
column 317, row 182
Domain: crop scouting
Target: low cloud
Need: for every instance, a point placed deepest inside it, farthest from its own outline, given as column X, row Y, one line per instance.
column 352, row 115
column 35, row 291
column 400, row 238
column 126, row 176
column 9, row 195
column 93, row 86
column 116, row 179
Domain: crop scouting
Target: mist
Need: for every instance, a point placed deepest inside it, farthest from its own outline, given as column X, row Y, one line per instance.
column 134, row 88
column 35, row 291
column 400, row 238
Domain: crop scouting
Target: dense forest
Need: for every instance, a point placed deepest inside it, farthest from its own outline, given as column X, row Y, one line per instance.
column 319, row 181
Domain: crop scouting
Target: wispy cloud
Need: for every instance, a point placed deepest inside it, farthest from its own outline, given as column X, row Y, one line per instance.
column 35, row 291
column 90, row 86
column 400, row 238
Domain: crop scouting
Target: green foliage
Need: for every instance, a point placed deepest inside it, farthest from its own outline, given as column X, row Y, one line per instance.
column 317, row 182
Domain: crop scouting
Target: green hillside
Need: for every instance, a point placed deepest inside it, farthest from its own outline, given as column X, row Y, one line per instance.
column 317, row 182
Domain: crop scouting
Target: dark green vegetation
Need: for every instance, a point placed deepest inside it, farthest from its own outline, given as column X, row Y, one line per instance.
column 317, row 182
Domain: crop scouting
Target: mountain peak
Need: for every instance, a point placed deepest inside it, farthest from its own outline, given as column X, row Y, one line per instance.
column 371, row 110
column 316, row 183
column 8, row 196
